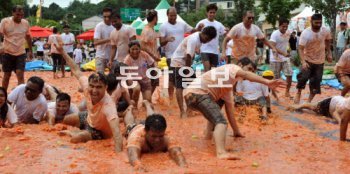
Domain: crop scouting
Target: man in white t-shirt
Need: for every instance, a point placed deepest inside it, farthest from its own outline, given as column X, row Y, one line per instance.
column 102, row 40
column 253, row 93
column 314, row 47
column 182, row 58
column 68, row 40
column 172, row 33
column 336, row 107
column 120, row 39
column 40, row 48
column 57, row 110
column 210, row 50
column 244, row 36
column 29, row 102
column 281, row 61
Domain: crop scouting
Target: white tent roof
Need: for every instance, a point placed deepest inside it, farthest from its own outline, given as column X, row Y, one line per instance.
column 162, row 17
column 307, row 12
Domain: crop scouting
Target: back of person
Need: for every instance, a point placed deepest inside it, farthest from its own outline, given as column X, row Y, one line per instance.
column 252, row 90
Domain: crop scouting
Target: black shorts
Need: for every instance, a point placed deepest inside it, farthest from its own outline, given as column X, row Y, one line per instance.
column 212, row 58
column 179, row 80
column 171, row 72
column 12, row 63
column 208, row 107
column 323, row 107
column 313, row 73
column 84, row 125
column 40, row 53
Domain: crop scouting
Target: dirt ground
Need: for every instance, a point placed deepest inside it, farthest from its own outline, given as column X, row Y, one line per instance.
column 291, row 142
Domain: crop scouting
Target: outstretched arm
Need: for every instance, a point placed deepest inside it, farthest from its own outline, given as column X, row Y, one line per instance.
column 255, row 78
column 134, row 155
column 176, row 154
column 229, row 107
column 117, row 137
column 345, row 118
column 224, row 46
column 74, row 67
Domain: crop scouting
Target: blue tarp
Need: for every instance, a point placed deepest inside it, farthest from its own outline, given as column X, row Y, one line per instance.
column 39, row 65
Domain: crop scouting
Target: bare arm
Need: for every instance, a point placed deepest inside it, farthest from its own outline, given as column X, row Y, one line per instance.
column 117, row 137
column 188, row 60
column 74, row 67
column 255, row 78
column 278, row 50
column 345, row 118
column 50, row 119
column 29, row 42
column 101, row 41
column 113, row 52
column 134, row 155
column 176, row 154
column 328, row 50
column 229, row 108
column 224, row 45
column 266, row 42
column 146, row 49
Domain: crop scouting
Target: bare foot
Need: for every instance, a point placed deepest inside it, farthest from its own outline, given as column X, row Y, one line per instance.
column 227, row 156
column 146, row 102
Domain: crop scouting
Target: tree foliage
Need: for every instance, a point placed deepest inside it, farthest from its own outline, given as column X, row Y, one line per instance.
column 193, row 17
column 275, row 9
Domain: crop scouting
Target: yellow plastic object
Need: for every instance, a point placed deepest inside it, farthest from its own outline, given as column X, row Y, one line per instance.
column 90, row 66
column 268, row 73
column 162, row 63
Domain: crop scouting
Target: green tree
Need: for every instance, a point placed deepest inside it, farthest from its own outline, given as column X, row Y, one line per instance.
column 5, row 8
column 275, row 9
column 329, row 9
column 54, row 12
column 46, row 23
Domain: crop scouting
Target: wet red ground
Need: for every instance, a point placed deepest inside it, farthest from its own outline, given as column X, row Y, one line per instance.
column 289, row 143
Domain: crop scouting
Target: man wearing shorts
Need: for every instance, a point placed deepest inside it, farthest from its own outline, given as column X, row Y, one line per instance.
column 182, row 60
column 210, row 50
column 100, row 121
column 15, row 31
column 209, row 92
column 281, row 61
column 102, row 40
column 336, row 107
column 57, row 60
column 314, row 46
column 171, row 35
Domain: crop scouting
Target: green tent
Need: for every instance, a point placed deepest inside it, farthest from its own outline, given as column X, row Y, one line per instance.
column 163, row 4
column 136, row 22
